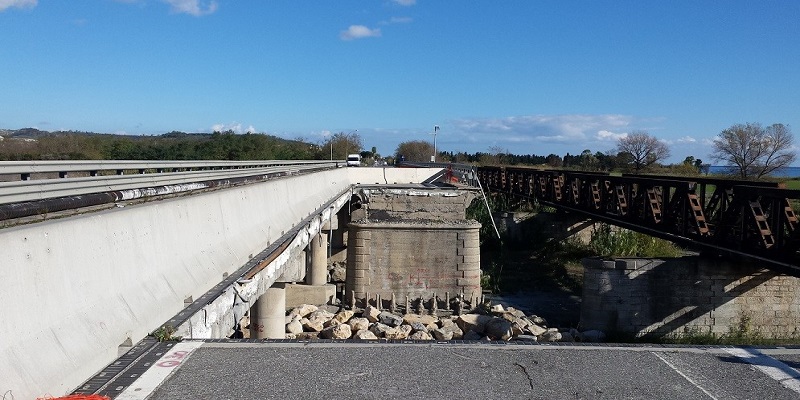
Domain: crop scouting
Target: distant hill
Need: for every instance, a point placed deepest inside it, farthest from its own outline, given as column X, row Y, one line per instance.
column 35, row 144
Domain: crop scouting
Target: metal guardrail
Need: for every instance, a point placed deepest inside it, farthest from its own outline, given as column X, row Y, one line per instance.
column 26, row 169
column 20, row 198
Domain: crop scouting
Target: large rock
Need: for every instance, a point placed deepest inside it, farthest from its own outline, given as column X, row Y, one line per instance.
column 307, row 336
column 344, row 316
column 379, row 329
column 320, row 314
column 472, row 335
column 331, row 322
column 527, row 338
column 294, row 326
column 442, row 334
column 498, row 329
column 419, row 327
column 303, row 310
column 390, row 319
column 357, row 324
column 364, row 334
column 399, row 333
column 427, row 320
column 473, row 322
column 534, row 329
column 371, row 313
column 341, row 331
column 420, row 335
column 550, row 335
column 314, row 325
column 338, row 272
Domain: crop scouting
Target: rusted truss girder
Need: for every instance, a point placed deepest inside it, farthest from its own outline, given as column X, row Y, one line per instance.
column 754, row 219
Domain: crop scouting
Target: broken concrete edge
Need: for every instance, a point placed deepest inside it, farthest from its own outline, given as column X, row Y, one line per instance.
column 218, row 318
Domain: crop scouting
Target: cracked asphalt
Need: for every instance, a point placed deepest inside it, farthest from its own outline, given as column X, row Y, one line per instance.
column 444, row 371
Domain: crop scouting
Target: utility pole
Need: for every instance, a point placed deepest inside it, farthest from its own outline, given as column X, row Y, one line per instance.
column 435, row 130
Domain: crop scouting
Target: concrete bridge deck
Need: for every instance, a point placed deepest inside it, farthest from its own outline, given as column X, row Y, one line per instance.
column 80, row 290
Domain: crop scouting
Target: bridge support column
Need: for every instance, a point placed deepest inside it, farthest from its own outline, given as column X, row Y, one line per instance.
column 318, row 275
column 267, row 316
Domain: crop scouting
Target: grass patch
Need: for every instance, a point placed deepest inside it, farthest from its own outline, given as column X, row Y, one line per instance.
column 617, row 242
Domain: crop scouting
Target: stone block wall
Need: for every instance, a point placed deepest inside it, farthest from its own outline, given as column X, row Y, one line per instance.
column 687, row 295
column 412, row 258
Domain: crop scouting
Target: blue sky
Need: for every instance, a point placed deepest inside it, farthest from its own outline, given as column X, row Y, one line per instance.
column 530, row 77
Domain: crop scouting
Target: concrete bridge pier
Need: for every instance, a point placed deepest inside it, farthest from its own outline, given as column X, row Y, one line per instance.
column 267, row 316
column 319, row 259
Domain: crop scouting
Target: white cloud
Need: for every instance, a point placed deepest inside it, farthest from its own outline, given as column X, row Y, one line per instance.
column 608, row 136
column 4, row 4
column 546, row 128
column 193, row 7
column 359, row 32
column 234, row 126
column 405, row 2
column 686, row 139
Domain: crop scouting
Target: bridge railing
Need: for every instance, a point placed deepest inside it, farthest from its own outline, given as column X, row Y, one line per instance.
column 755, row 219
column 40, row 187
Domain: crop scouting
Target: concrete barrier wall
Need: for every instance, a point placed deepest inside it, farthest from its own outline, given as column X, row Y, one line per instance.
column 688, row 295
column 74, row 289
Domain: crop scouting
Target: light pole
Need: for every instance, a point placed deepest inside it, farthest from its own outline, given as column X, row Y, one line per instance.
column 435, row 129
column 345, row 148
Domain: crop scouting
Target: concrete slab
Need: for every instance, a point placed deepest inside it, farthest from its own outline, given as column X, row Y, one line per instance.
column 297, row 294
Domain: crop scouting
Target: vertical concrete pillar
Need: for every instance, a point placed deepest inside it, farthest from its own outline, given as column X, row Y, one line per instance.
column 267, row 316
column 319, row 260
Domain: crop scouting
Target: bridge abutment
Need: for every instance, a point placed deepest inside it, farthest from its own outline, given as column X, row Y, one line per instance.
column 688, row 296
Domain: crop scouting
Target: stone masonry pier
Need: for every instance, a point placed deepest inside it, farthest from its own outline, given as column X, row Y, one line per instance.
column 688, row 295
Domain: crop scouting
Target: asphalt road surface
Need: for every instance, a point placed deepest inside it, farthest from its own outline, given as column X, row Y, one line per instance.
column 198, row 370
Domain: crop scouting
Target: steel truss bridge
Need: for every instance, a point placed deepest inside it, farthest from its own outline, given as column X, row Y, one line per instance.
column 730, row 217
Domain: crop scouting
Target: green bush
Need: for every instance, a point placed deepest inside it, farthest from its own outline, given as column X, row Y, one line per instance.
column 618, row 242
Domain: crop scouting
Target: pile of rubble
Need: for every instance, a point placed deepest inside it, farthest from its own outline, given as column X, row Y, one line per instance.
column 311, row 322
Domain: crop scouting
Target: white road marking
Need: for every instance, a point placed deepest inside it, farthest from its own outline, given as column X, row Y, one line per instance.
column 784, row 374
column 158, row 373
column 687, row 377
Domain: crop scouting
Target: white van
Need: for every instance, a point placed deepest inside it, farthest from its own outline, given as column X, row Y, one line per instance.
column 353, row 160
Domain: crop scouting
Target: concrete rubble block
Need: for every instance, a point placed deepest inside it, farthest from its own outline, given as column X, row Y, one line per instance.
column 420, row 335
column 303, row 310
column 314, row 325
column 538, row 320
column 427, row 320
column 442, row 334
column 290, row 336
column 357, row 324
column 294, row 326
column 364, row 334
column 371, row 313
column 498, row 329
column 550, row 335
column 344, row 316
column 390, row 319
column 341, row 331
column 473, row 322
column 379, row 329
column 419, row 327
